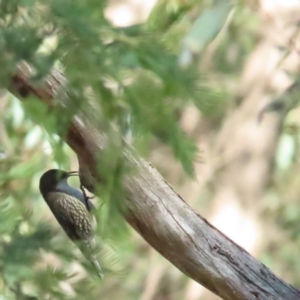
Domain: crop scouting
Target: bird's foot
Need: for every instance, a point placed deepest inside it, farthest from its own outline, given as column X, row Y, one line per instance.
column 86, row 197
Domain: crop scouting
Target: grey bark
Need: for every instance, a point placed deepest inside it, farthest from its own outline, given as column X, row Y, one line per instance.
column 160, row 215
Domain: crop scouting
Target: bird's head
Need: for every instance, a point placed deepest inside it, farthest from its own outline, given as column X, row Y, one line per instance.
column 51, row 179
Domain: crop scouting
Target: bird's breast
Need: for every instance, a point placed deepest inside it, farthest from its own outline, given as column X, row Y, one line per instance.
column 72, row 215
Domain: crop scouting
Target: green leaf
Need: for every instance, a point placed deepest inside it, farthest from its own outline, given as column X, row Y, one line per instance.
column 204, row 30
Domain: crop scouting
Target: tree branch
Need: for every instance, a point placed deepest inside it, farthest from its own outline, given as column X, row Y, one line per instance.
column 161, row 216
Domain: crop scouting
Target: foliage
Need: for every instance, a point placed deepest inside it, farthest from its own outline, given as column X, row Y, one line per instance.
column 139, row 84
column 133, row 76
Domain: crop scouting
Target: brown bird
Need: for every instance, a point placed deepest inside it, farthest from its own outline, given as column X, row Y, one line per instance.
column 71, row 209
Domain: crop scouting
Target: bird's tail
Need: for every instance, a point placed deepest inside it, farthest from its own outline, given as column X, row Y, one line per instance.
column 98, row 267
column 88, row 249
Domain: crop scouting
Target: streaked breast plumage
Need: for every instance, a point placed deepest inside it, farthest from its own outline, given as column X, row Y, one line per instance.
column 72, row 211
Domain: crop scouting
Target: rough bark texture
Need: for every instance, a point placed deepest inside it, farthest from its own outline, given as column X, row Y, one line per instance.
column 161, row 216
column 240, row 154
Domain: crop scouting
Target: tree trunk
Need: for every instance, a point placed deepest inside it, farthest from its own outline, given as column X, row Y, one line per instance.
column 159, row 214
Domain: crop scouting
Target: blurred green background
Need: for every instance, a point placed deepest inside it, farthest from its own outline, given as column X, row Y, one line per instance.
column 171, row 76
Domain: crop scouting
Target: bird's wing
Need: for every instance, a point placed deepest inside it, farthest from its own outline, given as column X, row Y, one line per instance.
column 72, row 215
column 76, row 221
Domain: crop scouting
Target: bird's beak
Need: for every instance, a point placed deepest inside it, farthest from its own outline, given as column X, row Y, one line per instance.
column 73, row 173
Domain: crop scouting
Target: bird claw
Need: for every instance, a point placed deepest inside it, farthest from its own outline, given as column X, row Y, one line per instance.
column 86, row 197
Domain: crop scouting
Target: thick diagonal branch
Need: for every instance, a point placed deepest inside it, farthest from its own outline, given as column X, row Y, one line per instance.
column 162, row 217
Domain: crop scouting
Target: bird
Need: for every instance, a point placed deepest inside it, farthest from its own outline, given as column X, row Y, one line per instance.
column 72, row 209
